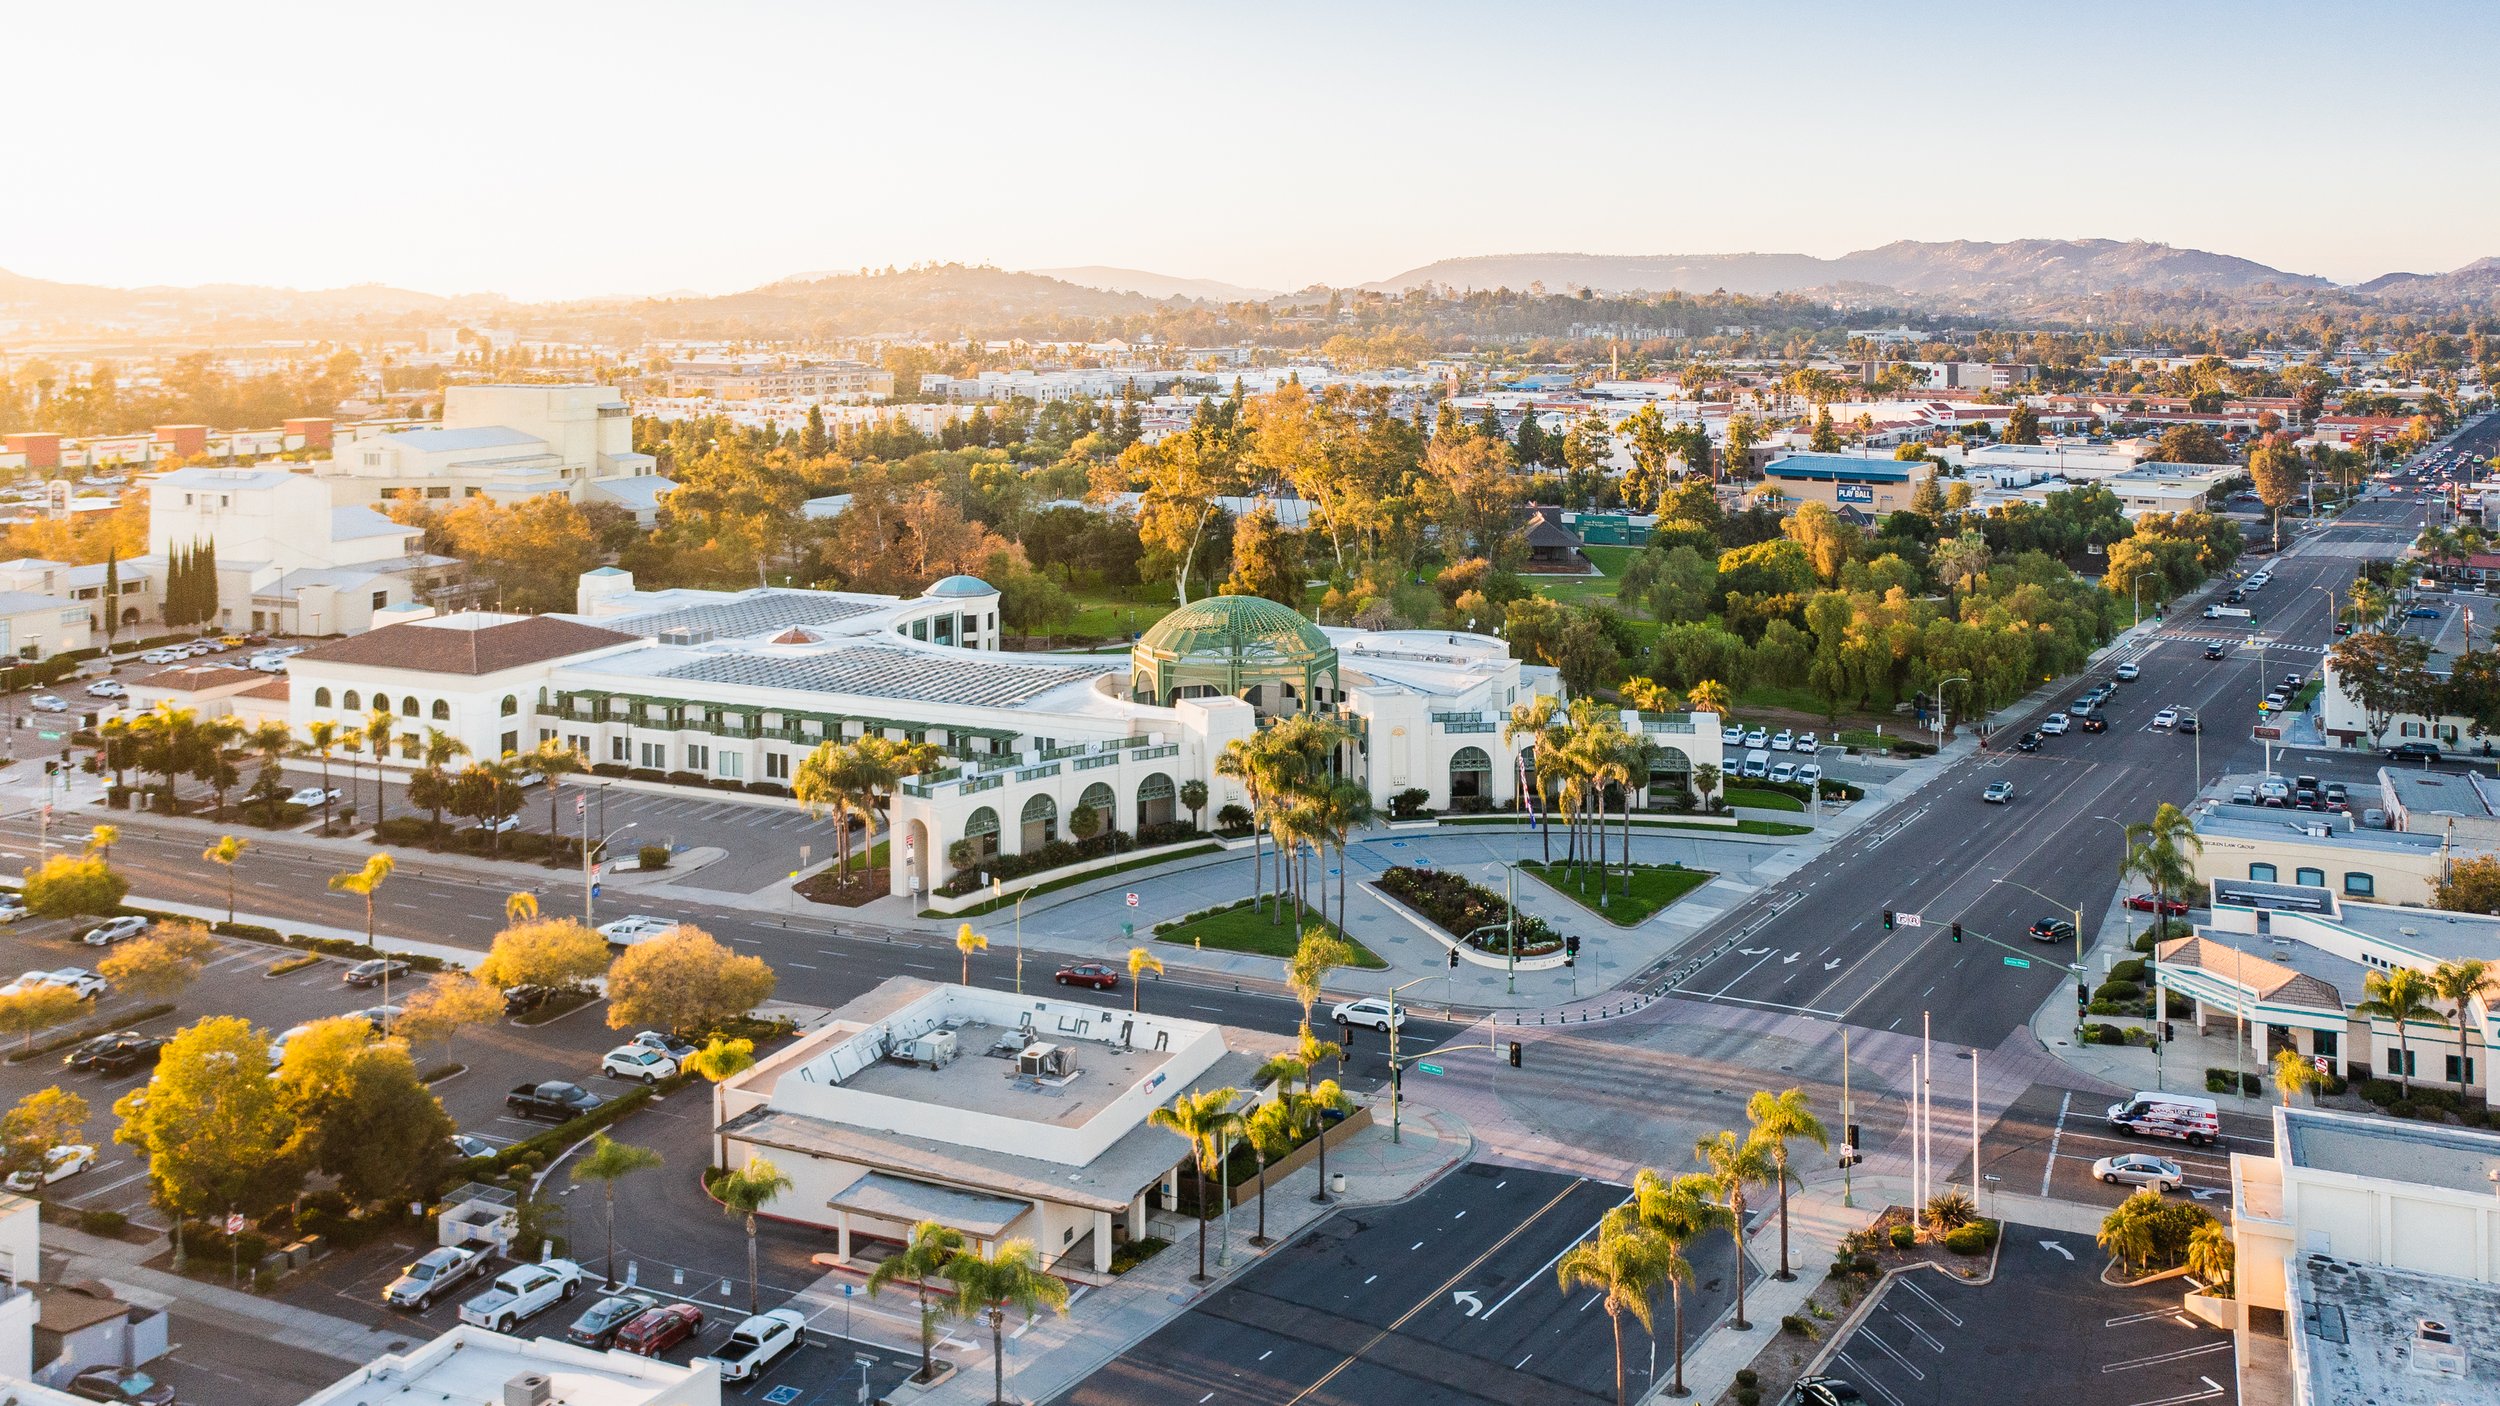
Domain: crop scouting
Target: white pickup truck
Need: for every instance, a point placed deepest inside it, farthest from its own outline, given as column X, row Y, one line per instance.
column 2225, row 612
column 522, row 1292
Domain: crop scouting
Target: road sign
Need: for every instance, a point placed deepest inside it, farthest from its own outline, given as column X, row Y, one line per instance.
column 49, row 736
column 581, row 805
column 2018, row 961
column 1132, row 900
column 1429, row 1068
column 2324, row 1065
column 234, row 1224
column 1907, row 920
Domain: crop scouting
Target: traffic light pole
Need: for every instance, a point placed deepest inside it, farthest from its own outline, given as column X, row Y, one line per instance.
column 1397, row 1077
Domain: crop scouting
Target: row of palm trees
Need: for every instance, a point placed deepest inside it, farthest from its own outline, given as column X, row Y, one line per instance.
column 1299, row 802
column 1583, row 754
column 2407, row 996
column 1639, row 1246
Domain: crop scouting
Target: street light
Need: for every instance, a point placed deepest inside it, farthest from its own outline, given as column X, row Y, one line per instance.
column 1510, row 921
column 1396, row 1076
column 601, row 847
column 2078, row 912
column 1941, row 686
column 2135, row 584
column 998, row 892
column 2152, row 959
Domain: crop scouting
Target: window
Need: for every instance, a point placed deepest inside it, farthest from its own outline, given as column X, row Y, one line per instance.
column 733, row 765
column 442, row 710
column 321, row 698
column 2451, row 1075
column 2401, row 1061
column 698, row 756
column 620, row 749
column 2261, row 873
column 2324, row 1042
column 352, row 703
column 511, row 705
column 2360, row 885
column 2309, row 878
column 776, row 766
column 508, row 744
column 409, row 707
column 381, row 600
column 438, row 492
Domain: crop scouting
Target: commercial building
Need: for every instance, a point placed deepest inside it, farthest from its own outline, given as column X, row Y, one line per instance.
column 2319, row 849
column 1002, row 1116
column 36, row 626
column 767, row 378
column 471, row 1364
column 508, row 443
column 2367, row 1264
column 1870, row 488
column 2460, row 808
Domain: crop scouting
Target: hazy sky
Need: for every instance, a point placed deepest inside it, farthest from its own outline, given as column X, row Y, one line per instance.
column 553, row 150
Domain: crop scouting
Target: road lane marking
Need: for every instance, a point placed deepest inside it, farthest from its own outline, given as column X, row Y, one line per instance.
column 2157, row 1359
column 2049, row 1168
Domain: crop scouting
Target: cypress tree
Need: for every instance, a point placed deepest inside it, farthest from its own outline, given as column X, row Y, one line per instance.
column 207, row 584
column 112, row 592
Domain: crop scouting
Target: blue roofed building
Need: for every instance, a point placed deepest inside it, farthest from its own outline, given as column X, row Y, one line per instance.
column 1861, row 488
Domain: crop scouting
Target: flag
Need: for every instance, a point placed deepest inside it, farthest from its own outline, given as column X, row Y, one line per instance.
column 1527, row 792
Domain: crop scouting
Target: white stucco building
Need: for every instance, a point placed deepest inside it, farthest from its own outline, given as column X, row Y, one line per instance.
column 289, row 557
column 508, row 443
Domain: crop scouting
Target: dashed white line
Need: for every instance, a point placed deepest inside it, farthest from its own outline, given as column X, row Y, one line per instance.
column 2050, row 1167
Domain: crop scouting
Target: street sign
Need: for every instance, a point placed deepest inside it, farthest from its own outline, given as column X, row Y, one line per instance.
column 1132, row 900
column 2324, row 1065
column 1429, row 1068
column 1907, row 920
column 2018, row 961
column 234, row 1224
column 581, row 806
column 49, row 736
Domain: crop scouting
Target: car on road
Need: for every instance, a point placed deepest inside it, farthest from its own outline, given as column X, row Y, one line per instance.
column 522, row 1293
column 637, row 1062
column 2167, row 717
column 1826, row 1391
column 12, row 907
column 107, row 688
column 127, row 1386
column 375, row 971
column 670, row 1045
column 2187, row 723
column 87, row 984
column 1998, row 793
column 105, row 934
column 756, row 1344
column 1094, row 974
column 2028, row 742
column 2053, row 930
column 2148, row 903
column 468, row 1147
column 66, row 1160
column 2094, row 722
column 2128, row 671
column 2054, row 725
column 2414, row 751
column 117, row 1053
column 48, row 703
column 433, row 1274
column 554, row 1100
column 2140, row 1169
column 599, row 1324
column 633, row 928
column 1370, row 1011
column 660, row 1329
column 2215, row 651
column 312, row 796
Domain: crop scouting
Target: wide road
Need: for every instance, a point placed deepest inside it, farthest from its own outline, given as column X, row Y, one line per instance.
column 1816, row 944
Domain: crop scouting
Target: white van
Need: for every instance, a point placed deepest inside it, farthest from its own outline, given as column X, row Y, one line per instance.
column 2225, row 612
column 1757, row 764
column 2184, row 1117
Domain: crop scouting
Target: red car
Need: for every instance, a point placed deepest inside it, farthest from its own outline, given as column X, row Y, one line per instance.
column 657, row 1330
column 2167, row 907
column 1093, row 974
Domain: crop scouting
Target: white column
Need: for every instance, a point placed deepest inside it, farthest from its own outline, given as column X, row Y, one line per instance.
column 842, row 1236
column 1102, row 1242
column 1137, row 1216
column 1172, row 1188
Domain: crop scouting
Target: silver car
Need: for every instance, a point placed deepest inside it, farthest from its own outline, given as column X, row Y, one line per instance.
column 2140, row 1169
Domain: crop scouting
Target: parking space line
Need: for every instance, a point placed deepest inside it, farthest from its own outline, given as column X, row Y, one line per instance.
column 1906, row 1364
column 1923, row 1335
column 1943, row 1312
column 1858, row 1373
column 2212, row 1389
column 2158, row 1358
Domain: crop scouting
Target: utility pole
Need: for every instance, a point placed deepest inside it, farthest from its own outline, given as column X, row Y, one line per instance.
column 1974, row 1126
column 1849, row 1157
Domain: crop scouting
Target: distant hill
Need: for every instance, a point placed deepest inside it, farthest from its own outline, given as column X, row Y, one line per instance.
column 931, row 300
column 1156, row 285
column 41, row 303
column 2477, row 282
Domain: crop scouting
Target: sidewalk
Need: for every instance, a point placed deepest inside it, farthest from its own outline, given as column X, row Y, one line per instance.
column 118, row 1265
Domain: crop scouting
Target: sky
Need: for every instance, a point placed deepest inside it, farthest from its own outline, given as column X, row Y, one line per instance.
column 555, row 150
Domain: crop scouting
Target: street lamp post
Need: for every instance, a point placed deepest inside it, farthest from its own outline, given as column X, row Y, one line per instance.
column 2135, row 585
column 998, row 889
column 2152, row 959
column 1510, row 923
column 1941, row 686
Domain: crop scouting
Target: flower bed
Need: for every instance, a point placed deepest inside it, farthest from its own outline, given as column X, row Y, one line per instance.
column 1463, row 909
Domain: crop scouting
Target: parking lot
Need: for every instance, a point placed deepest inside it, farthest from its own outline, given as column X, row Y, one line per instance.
column 1448, row 1298
column 2049, row 1138
column 2044, row 1329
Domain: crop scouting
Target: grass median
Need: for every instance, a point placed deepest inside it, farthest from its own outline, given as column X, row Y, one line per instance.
column 1242, row 927
column 1760, row 799
column 1653, row 887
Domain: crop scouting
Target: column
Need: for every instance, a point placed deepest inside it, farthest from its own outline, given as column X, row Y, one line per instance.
column 1102, row 1242
column 842, row 1236
column 1172, row 1188
column 1137, row 1216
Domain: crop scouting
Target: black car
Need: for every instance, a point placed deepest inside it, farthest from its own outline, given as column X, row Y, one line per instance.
column 596, row 1328
column 2186, row 723
column 374, row 972
column 2028, row 742
column 520, row 999
column 1826, row 1391
column 127, row 1385
column 2052, row 930
column 115, row 1054
column 2215, row 651
column 2415, row 751
column 2094, row 722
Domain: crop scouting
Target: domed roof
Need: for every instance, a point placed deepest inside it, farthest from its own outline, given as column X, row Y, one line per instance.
column 961, row 586
column 1225, row 627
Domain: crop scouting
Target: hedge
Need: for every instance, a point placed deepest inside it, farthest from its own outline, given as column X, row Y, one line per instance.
column 87, row 1032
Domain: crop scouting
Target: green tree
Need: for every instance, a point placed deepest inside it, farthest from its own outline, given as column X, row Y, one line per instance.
column 2277, row 470
column 1825, row 438
column 1270, row 1130
column 214, row 1128
column 1267, row 560
column 551, row 761
column 321, row 737
column 1779, row 1119
column 2213, row 1258
column 2022, row 425
column 1734, row 1164
column 556, row 952
column 1627, row 1262
column 743, row 1193
column 37, row 1008
column 931, row 1248
column 2157, row 850
column 68, row 886
column 1207, row 1121
column 2294, row 1074
column 608, row 1163
column 2403, row 998
column 362, row 884
column 1678, row 1213
column 383, row 1135
column 377, row 735
column 684, row 980
column 847, row 780
column 987, row 1286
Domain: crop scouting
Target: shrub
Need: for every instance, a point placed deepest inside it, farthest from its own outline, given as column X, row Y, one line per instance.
column 294, row 964
column 2381, row 1091
column 1129, row 1254
column 1798, row 1324
column 768, row 788
column 102, row 1222
column 1903, row 1237
column 2221, row 1081
column 2116, row 990
column 1405, row 805
column 652, row 857
column 2128, row 970
column 2143, row 942
column 1749, row 1396
column 1952, row 1210
column 1972, row 1239
column 1464, row 909
column 2105, row 1034
column 1747, row 1376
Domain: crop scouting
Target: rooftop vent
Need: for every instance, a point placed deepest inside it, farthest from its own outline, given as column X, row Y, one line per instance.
column 2436, row 1350
column 528, row 1389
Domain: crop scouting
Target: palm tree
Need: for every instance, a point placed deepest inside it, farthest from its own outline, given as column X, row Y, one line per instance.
column 2156, row 851
column 1779, row 1119
column 610, row 1162
column 2403, row 996
column 1239, row 761
column 519, row 908
column 1269, row 1130
column 2294, row 1074
column 2211, row 1256
column 1206, row 1120
column 101, row 839
column 743, row 1193
column 271, row 742
column 1709, row 696
column 351, row 741
column 719, row 1062
column 550, row 761
column 362, row 883
column 1534, row 720
column 1626, row 1261
column 225, row 852
column 1193, row 796
column 1341, row 810
column 837, row 779
column 377, row 733
column 1678, row 1213
column 436, row 753
column 1140, row 962
column 1706, row 778
column 968, row 942
column 932, row 1248
column 319, row 738
column 986, row 1286
column 1735, row 1163
column 1314, row 1107
column 2461, row 983
column 2129, row 1232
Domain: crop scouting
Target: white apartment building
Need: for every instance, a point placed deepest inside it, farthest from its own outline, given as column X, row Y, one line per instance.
column 773, row 378
column 508, row 443
column 289, row 557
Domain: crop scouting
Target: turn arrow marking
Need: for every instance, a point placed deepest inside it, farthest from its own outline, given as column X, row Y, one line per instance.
column 2052, row 1245
column 1832, row 964
column 1751, row 951
column 1784, row 961
column 1468, row 1297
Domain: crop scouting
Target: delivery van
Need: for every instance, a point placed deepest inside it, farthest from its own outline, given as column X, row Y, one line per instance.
column 1757, row 764
column 2180, row 1117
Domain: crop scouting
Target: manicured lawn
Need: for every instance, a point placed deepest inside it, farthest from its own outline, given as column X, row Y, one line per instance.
column 1112, row 613
column 872, row 858
column 1245, row 929
column 1741, row 827
column 1653, row 887
column 1147, row 862
column 1763, row 800
column 1795, row 700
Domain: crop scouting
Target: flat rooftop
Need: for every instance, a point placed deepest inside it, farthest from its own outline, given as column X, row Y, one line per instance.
column 2423, row 1154
column 2358, row 1330
column 2430, row 793
column 984, row 1078
column 470, row 1364
column 2438, row 935
column 2273, row 824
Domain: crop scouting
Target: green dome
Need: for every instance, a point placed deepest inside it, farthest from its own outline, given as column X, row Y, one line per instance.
column 1229, row 643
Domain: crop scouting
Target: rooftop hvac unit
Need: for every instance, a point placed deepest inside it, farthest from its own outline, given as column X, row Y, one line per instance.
column 935, row 1050
column 1046, row 1062
column 528, row 1389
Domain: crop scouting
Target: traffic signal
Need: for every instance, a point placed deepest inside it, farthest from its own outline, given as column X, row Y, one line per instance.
column 1957, row 932
column 1453, row 959
column 1887, row 920
column 51, row 768
column 1514, row 1054
column 1571, row 944
column 2083, row 994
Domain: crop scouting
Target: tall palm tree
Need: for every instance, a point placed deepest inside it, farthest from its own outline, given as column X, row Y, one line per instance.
column 2156, row 850
column 932, row 1247
column 1343, row 809
column 2461, row 983
column 431, row 788
column 362, row 883
column 1709, row 696
column 1534, row 721
column 550, row 761
column 1206, row 1120
column 986, row 1286
column 1314, row 1107
column 1779, row 1119
column 1626, row 1262
column 1678, row 1213
column 351, row 741
column 1140, row 962
column 1239, row 761
column 744, row 1192
column 1270, row 1131
column 1314, row 957
column 377, row 733
column 320, row 737
column 271, row 742
column 610, row 1162
column 1734, row 1163
column 225, row 852
column 2403, row 996
column 968, row 942
column 101, row 839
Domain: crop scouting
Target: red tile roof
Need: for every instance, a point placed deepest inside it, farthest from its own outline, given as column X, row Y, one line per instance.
column 427, row 648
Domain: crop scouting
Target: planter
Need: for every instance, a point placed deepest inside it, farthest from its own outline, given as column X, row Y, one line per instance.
column 1244, row 1193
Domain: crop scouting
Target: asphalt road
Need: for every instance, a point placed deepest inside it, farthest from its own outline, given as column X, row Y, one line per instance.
column 1816, row 944
column 2046, row 1142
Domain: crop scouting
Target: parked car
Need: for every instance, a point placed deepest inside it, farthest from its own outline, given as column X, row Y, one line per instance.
column 312, row 796
column 1093, row 974
column 599, row 1324
column 12, row 907
column 2054, row 725
column 2053, row 930
column 504, row 826
column 87, row 984
column 633, row 928
column 1810, row 775
column 375, row 972
column 669, row 1045
column 468, row 1147
column 1732, row 735
column 117, row 1053
column 2336, row 797
column 523, row 1292
column 1826, row 1391
column 1783, row 740
column 66, row 1160
column 660, row 1329
column 527, row 997
column 1371, row 1011
column 637, row 1062
column 113, row 930
column 107, row 688
column 2140, row 1169
column 2127, row 672
column 1784, row 771
column 435, row 1273
column 127, row 1386
column 554, row 1100
column 2421, row 612
column 1759, row 737
column 48, row 703
column 756, row 1344
column 2415, row 751
column 1809, row 742
column 1998, row 793
column 2148, row 903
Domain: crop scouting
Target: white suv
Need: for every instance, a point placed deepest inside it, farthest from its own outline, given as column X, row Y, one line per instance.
column 1371, row 1011
column 639, row 927
column 2054, row 725
column 638, row 1062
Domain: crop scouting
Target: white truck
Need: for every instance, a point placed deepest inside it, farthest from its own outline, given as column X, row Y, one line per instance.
column 2226, row 612
column 522, row 1293
column 758, row 1343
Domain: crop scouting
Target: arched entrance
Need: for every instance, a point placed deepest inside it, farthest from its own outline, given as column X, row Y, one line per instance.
column 980, row 838
column 916, row 858
column 1670, row 774
column 1471, row 775
column 1154, row 801
column 1103, row 803
column 1041, row 824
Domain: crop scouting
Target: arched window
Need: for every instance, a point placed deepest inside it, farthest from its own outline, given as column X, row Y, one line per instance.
column 511, row 705
column 351, row 702
column 1154, row 801
column 1041, row 822
column 981, row 833
column 2360, row 885
column 1471, row 775
column 1103, row 802
column 2309, row 878
column 442, row 710
column 410, row 708
column 2261, row 873
column 321, row 698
